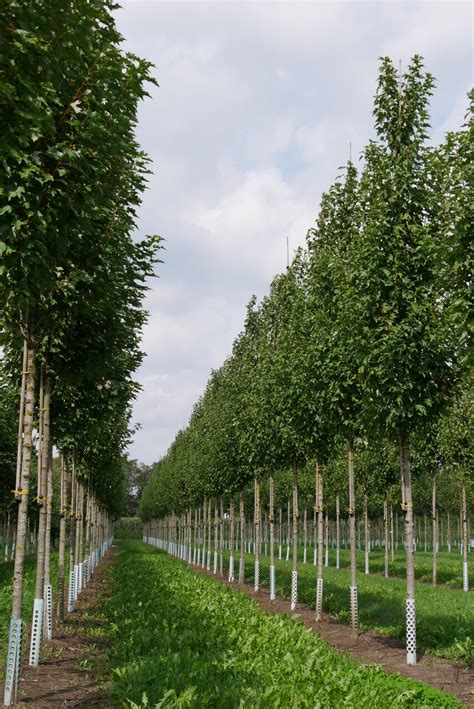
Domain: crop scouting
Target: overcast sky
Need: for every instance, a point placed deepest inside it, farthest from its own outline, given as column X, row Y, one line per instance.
column 257, row 104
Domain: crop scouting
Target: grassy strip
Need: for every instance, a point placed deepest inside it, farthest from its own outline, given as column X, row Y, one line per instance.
column 449, row 564
column 445, row 616
column 183, row 640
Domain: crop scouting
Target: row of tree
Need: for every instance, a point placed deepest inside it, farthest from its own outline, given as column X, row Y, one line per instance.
column 359, row 354
column 72, row 279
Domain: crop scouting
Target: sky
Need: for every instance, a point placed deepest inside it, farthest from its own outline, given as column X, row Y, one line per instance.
column 257, row 106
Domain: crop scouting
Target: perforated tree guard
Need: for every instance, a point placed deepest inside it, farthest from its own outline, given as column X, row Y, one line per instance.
column 70, row 595
column 294, row 589
column 354, row 606
column 272, row 583
column 12, row 673
column 48, row 611
column 411, row 631
column 319, row 599
column 36, row 631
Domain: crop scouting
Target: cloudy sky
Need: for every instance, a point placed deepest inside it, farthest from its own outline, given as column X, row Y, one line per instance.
column 257, row 105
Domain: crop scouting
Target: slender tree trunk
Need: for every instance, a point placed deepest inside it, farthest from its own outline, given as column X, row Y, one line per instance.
column 48, row 591
column 315, row 523
column 280, row 532
column 435, row 529
column 326, row 539
column 38, row 607
column 231, row 542
column 72, row 536
column 216, row 537
column 272, row 536
column 294, row 572
column 209, row 528
column 221, row 540
column 257, row 534
column 385, row 526
column 448, row 531
column 405, row 466
column 288, row 531
column 338, row 530
column 242, row 539
column 204, row 525
column 465, row 546
column 305, row 535
column 392, row 540
column 353, row 550
column 319, row 579
column 25, row 431
column 195, row 536
column 366, row 536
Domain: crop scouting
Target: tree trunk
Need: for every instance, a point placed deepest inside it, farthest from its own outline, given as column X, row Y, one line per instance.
column 272, row 536
column 392, row 540
column 353, row 550
column 216, row 537
column 448, row 531
column 405, row 467
column 305, row 535
column 209, row 528
column 280, row 532
column 38, row 604
column 204, row 525
column 326, row 539
column 366, row 536
column 294, row 572
column 48, row 591
column 242, row 539
column 465, row 568
column 21, row 492
column 338, row 531
column 319, row 580
column 435, row 529
column 257, row 534
column 288, row 531
column 231, row 542
column 385, row 527
column 221, row 540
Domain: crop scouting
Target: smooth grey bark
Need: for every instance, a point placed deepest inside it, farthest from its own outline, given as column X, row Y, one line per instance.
column 319, row 485
column 352, row 538
column 434, row 530
column 295, row 515
column 405, row 468
column 242, row 539
column 385, row 527
column 23, row 489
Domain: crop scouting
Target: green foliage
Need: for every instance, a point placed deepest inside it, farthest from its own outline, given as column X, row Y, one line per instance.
column 445, row 615
column 181, row 639
column 128, row 528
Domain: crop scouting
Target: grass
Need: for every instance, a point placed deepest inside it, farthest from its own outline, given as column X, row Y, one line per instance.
column 445, row 616
column 449, row 565
column 184, row 640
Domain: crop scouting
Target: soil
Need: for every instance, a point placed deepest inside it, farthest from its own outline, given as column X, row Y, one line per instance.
column 69, row 673
column 370, row 648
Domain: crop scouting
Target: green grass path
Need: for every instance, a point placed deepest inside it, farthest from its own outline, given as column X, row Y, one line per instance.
column 445, row 616
column 184, row 640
